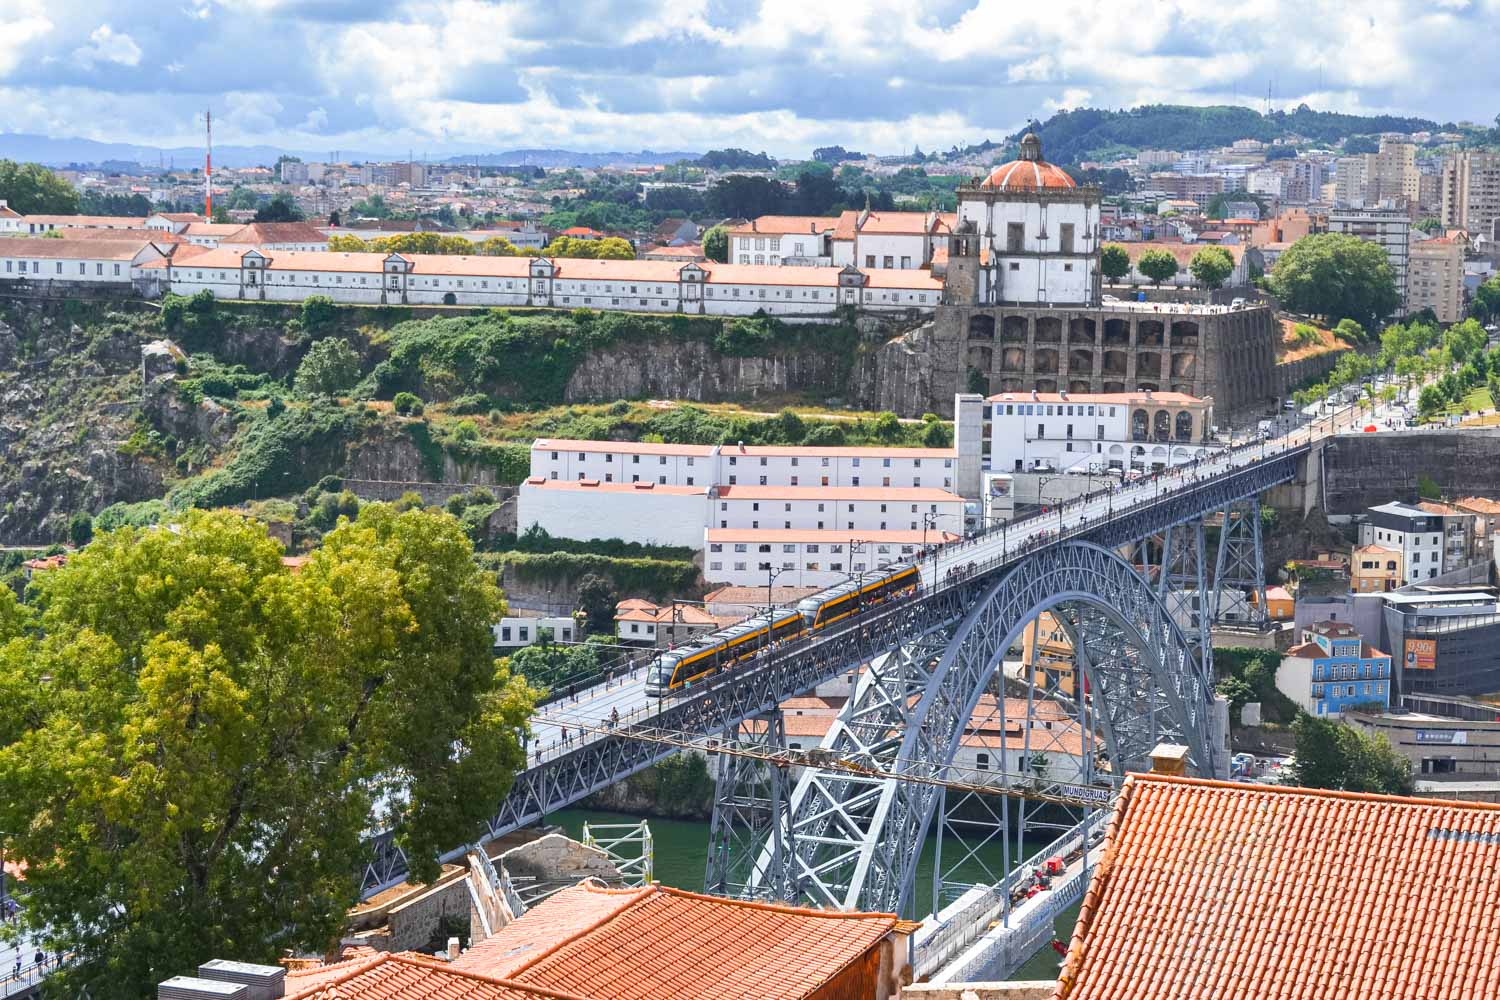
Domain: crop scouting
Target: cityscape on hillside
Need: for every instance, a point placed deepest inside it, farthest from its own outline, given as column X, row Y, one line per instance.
column 1031, row 534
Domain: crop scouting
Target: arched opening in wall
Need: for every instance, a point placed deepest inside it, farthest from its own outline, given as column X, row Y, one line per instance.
column 1161, row 426
column 1046, row 385
column 1184, row 333
column 449, row 299
column 1013, row 329
column 1011, row 385
column 981, row 357
column 1081, row 361
column 1013, row 359
column 1184, row 423
column 1046, row 360
column 1078, row 385
column 1148, row 364
column 1116, row 331
column 1115, row 364
column 1081, row 331
column 1140, row 425
column 981, row 327
column 1184, row 365
column 1149, row 333
column 1048, row 330
column 1114, row 387
column 1186, row 388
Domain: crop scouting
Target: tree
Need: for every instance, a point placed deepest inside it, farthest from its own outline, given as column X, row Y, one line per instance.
column 741, row 197
column 1349, row 331
column 32, row 189
column 80, row 529
column 1114, row 262
column 597, row 600
column 407, row 404
column 1430, row 400
column 279, row 209
column 195, row 738
column 1157, row 265
column 716, row 244
column 613, row 248
column 1337, row 277
column 329, row 367
column 1332, row 755
column 318, row 313
column 1211, row 266
column 333, row 218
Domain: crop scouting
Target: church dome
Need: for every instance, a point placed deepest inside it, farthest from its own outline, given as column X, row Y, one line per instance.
column 1029, row 173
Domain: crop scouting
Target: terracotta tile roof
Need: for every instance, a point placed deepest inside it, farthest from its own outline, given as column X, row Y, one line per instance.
column 258, row 233
column 757, row 595
column 765, row 274
column 1306, row 650
column 217, row 229
column 1219, row 889
column 66, row 249
column 621, row 447
column 665, row 944
column 894, row 494
column 406, row 976
column 841, row 451
column 131, row 222
column 1481, row 505
column 568, row 485
column 897, row 223
column 916, row 279
column 84, row 233
column 775, row 225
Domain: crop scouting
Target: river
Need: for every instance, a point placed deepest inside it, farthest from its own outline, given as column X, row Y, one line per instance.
column 681, row 848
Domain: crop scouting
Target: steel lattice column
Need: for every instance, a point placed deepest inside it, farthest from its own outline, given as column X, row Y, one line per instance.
column 1185, row 579
column 750, row 819
column 1241, row 561
column 858, row 837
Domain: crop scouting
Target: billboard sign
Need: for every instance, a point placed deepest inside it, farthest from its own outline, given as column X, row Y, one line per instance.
column 1421, row 654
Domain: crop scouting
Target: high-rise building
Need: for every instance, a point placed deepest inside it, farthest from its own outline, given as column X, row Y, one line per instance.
column 1389, row 228
column 1391, row 174
column 1471, row 192
column 1349, row 180
column 1435, row 278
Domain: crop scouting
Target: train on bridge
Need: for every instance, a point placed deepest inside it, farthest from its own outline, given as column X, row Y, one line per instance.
column 707, row 655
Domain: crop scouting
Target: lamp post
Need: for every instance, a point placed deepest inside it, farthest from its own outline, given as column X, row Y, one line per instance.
column 929, row 519
column 771, row 574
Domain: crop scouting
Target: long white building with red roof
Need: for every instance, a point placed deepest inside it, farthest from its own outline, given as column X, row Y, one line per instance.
column 629, row 285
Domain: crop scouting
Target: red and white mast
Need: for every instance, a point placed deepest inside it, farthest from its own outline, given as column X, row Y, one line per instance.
column 208, row 167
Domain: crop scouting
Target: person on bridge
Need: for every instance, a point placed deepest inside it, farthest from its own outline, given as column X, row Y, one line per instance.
column 614, row 717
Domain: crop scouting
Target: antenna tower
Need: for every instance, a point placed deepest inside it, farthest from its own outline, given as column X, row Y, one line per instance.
column 208, row 166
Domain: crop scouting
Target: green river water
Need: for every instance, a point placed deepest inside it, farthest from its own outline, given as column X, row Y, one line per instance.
column 681, row 848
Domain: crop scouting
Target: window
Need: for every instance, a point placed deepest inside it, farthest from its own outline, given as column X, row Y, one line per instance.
column 1014, row 266
column 1065, row 238
column 739, row 547
column 1015, row 237
column 505, row 633
column 869, row 260
column 889, row 261
column 715, row 565
column 740, row 566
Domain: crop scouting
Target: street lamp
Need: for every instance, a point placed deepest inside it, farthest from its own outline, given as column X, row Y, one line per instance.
column 929, row 520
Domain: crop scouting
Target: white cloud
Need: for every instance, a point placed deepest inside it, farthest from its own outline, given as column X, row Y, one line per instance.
column 107, row 45
column 17, row 30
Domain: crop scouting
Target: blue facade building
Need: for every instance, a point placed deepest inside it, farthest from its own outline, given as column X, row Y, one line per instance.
column 1334, row 669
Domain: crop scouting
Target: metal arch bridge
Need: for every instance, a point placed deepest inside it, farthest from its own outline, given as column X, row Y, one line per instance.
column 846, row 841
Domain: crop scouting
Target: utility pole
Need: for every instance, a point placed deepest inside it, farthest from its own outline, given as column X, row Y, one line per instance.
column 208, row 165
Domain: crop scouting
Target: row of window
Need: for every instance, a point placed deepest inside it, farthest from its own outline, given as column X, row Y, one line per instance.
column 823, row 526
column 811, row 567
column 835, row 548
column 1348, row 690
column 824, row 462
column 36, row 268
column 755, row 505
column 609, row 477
column 1350, row 672
column 1045, row 410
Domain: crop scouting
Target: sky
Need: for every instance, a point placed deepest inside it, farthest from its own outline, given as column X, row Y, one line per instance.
column 784, row 76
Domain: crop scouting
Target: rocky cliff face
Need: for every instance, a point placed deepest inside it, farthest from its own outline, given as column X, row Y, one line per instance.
column 69, row 409
column 912, row 373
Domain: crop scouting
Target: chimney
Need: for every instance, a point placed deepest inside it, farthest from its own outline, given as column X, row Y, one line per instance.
column 452, row 948
column 1170, row 759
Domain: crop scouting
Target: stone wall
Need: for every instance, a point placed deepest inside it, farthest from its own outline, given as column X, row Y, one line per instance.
column 1229, row 355
column 1293, row 375
column 1021, row 989
column 1363, row 470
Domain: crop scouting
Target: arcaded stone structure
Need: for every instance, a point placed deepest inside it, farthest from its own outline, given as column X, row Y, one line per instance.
column 1202, row 351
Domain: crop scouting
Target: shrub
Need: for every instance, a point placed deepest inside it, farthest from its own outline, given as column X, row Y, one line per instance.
column 318, row 314
column 407, row 404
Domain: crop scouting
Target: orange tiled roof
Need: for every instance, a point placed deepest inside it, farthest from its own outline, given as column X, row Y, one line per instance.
column 665, row 944
column 406, row 976
column 1220, row 889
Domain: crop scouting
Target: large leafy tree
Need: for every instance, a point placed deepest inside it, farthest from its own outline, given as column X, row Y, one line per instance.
column 32, row 189
column 1157, row 265
column 1114, row 261
column 195, row 740
column 716, row 244
column 1338, row 277
column 328, row 368
column 1212, row 266
column 1332, row 755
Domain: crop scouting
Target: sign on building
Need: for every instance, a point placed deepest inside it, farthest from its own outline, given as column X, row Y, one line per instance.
column 1421, row 654
column 1452, row 737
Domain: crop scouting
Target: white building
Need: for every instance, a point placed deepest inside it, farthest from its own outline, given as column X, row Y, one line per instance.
column 1070, row 432
column 745, row 557
column 513, row 633
column 836, row 508
column 1432, row 538
column 1040, row 231
column 733, row 465
column 36, row 225
column 632, row 285
column 105, row 262
column 774, row 240
column 12, row 223
column 1389, row 229
column 634, row 512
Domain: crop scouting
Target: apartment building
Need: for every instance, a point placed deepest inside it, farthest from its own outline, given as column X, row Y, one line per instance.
column 1432, row 538
column 1471, row 192
column 1388, row 228
column 1435, row 278
column 1073, row 432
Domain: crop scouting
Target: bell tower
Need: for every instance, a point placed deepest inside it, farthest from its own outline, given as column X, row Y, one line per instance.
column 961, row 282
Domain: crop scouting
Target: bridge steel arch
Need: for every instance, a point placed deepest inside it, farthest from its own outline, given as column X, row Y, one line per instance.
column 857, row 838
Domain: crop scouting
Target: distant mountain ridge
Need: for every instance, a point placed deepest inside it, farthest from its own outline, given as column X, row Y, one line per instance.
column 1094, row 133
column 60, row 152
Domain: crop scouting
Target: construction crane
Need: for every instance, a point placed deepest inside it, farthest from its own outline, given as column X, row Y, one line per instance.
column 1019, row 786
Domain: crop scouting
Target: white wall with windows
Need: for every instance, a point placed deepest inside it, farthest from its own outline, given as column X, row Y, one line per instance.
column 1061, row 432
column 743, row 557
column 514, row 633
column 836, row 509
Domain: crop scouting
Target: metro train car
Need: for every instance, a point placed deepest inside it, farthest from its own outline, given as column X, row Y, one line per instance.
column 675, row 669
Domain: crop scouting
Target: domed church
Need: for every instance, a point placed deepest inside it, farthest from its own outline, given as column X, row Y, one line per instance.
column 1027, row 234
